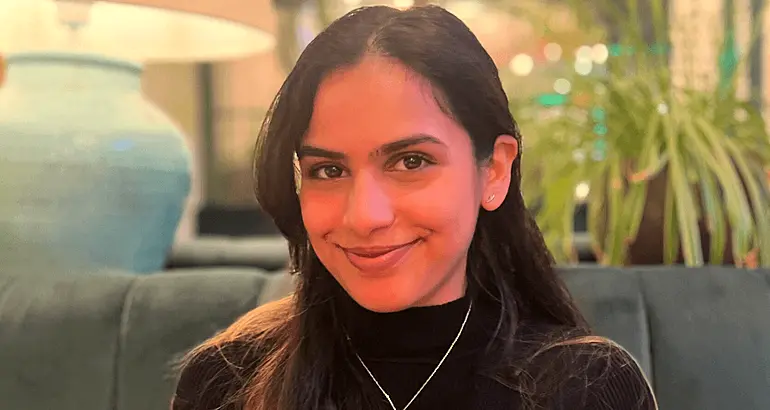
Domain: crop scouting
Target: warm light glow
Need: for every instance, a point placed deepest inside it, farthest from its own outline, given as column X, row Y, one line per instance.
column 403, row 4
column 600, row 53
column 582, row 190
column 562, row 86
column 125, row 31
column 522, row 64
column 552, row 52
column 583, row 67
column 584, row 53
column 464, row 9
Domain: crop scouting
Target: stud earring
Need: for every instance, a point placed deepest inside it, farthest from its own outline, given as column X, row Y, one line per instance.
column 491, row 198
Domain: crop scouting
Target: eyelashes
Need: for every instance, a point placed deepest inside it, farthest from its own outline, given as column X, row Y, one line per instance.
column 326, row 171
column 406, row 162
column 412, row 162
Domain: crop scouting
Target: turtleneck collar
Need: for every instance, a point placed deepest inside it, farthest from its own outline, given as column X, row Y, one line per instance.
column 418, row 332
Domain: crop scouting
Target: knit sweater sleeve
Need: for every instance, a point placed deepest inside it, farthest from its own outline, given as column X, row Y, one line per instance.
column 606, row 377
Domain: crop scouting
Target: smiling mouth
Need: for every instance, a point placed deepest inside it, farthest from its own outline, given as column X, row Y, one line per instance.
column 379, row 259
column 376, row 251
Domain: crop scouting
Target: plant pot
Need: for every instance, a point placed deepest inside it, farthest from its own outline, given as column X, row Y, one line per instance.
column 648, row 247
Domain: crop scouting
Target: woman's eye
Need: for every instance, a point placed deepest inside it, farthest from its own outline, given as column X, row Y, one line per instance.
column 327, row 172
column 411, row 162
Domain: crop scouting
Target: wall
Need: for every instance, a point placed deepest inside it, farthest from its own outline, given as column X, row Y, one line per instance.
column 173, row 87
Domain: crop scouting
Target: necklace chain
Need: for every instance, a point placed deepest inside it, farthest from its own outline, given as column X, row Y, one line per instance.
column 387, row 396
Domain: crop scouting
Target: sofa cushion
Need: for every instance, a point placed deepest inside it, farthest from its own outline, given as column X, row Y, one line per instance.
column 163, row 317
column 702, row 335
column 710, row 337
column 613, row 302
column 108, row 341
column 59, row 340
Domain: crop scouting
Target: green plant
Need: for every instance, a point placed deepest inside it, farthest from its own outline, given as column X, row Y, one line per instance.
column 634, row 123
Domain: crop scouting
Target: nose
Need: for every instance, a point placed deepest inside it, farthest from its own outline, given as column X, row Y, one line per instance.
column 369, row 207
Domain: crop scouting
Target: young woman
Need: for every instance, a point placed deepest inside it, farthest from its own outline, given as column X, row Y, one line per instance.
column 390, row 161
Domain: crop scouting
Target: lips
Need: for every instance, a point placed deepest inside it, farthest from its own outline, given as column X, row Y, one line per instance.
column 378, row 259
column 374, row 252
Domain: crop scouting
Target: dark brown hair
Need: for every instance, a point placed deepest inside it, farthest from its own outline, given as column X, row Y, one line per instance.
column 305, row 357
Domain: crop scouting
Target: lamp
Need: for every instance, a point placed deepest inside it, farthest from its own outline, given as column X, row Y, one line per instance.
column 92, row 175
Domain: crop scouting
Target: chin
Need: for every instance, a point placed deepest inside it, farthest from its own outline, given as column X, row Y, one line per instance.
column 382, row 297
column 380, row 306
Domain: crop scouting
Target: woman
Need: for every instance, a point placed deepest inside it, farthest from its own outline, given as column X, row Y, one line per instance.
column 390, row 161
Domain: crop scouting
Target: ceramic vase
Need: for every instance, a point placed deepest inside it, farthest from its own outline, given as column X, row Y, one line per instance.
column 92, row 175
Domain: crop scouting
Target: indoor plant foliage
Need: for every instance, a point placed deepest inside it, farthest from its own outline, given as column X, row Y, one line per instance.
column 633, row 125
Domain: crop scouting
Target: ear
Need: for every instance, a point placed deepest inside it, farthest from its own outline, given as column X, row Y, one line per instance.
column 497, row 172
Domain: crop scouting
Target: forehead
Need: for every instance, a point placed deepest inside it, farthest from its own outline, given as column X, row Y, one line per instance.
column 374, row 102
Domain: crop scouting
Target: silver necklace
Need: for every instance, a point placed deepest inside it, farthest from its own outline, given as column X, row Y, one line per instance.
column 387, row 396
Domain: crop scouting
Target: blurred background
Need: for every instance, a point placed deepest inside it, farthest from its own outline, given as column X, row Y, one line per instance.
column 591, row 85
column 554, row 58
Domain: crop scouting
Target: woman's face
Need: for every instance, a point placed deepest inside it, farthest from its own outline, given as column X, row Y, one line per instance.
column 390, row 189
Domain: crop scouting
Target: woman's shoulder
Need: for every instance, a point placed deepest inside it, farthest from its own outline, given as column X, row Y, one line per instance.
column 589, row 373
column 213, row 374
column 604, row 376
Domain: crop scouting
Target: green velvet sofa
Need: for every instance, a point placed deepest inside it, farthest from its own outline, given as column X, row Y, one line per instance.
column 105, row 341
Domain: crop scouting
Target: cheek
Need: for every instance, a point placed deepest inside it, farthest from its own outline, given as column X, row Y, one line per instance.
column 449, row 205
column 321, row 211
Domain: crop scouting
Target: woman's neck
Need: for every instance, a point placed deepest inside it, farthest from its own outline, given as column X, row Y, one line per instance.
column 418, row 332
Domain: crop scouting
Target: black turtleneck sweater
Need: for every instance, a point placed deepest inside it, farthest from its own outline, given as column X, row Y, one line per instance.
column 401, row 349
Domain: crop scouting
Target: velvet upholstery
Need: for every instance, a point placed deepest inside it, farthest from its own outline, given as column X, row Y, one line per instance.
column 702, row 335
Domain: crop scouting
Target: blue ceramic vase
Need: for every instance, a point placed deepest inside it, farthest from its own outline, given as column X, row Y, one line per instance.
column 92, row 175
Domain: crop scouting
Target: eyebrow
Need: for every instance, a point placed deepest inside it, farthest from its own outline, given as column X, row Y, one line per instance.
column 384, row 150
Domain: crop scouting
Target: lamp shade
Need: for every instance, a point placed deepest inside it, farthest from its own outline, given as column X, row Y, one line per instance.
column 126, row 31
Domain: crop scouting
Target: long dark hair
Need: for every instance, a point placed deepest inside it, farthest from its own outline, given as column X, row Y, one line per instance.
column 309, row 365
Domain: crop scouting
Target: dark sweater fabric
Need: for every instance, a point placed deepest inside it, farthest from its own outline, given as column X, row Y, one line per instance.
column 401, row 349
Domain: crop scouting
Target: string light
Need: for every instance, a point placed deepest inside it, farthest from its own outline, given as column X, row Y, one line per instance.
column 562, row 86
column 600, row 53
column 521, row 64
column 582, row 190
column 583, row 67
column 584, row 53
column 403, row 4
column 552, row 52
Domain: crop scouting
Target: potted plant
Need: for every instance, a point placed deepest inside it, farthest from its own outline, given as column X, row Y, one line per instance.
column 687, row 160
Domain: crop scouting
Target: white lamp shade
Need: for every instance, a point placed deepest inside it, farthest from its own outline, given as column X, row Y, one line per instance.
column 127, row 31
